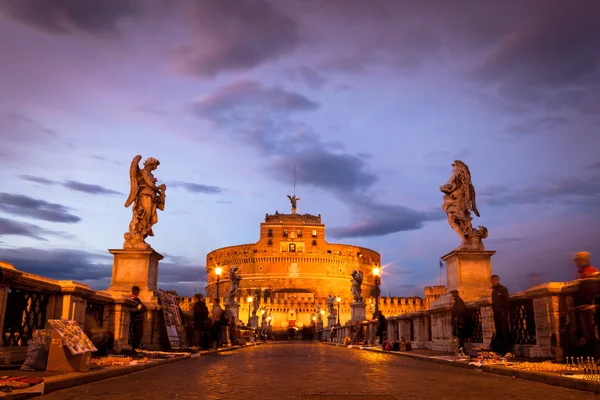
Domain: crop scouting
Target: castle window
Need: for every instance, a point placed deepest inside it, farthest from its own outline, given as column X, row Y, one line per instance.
column 292, row 248
column 314, row 242
column 270, row 242
column 255, row 250
column 299, row 232
column 285, row 232
column 314, row 233
column 328, row 251
column 260, row 268
column 350, row 253
column 270, row 233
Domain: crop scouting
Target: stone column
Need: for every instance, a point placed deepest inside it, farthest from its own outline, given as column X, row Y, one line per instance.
column 331, row 320
column 135, row 268
column 118, row 321
column 358, row 312
column 546, row 314
column 469, row 272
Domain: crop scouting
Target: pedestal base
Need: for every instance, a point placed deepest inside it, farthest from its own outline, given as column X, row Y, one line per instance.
column 358, row 312
column 469, row 272
column 135, row 268
column 234, row 308
column 331, row 321
column 254, row 321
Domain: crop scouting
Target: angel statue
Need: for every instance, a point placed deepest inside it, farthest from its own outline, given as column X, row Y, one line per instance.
column 255, row 303
column 146, row 198
column 294, row 200
column 331, row 305
column 357, row 279
column 459, row 201
column 234, row 284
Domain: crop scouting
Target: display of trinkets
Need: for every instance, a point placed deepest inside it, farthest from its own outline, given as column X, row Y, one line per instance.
column 111, row 361
column 9, row 384
column 587, row 366
column 72, row 336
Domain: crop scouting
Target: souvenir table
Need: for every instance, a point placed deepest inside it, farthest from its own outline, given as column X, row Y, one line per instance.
column 20, row 384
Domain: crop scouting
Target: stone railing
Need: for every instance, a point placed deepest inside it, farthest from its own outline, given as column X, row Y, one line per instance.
column 28, row 301
column 536, row 318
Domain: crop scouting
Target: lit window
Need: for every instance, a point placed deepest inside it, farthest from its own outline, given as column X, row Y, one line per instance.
column 292, row 248
column 314, row 233
column 285, row 232
column 299, row 232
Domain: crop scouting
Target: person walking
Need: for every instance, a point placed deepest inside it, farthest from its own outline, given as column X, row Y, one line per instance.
column 500, row 307
column 586, row 301
column 201, row 323
column 381, row 327
column 462, row 327
column 136, row 320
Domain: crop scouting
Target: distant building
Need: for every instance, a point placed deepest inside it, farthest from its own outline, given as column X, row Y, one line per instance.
column 293, row 269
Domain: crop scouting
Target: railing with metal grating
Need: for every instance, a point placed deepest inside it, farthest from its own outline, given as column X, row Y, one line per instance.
column 25, row 312
column 522, row 321
column 477, row 336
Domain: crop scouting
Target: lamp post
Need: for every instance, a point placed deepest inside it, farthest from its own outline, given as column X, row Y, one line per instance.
column 339, row 300
column 218, row 271
column 249, row 302
column 377, row 278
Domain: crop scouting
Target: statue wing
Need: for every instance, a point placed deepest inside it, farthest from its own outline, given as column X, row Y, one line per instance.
column 134, row 171
column 473, row 202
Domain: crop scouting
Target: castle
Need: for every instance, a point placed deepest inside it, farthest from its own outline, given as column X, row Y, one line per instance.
column 292, row 269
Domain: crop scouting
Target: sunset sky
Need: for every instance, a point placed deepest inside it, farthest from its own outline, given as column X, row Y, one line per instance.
column 371, row 100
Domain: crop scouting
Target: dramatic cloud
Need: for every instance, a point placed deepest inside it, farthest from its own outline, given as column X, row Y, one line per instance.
column 327, row 170
column 37, row 209
column 64, row 16
column 18, row 228
column 73, row 185
column 95, row 269
column 384, row 219
column 196, row 187
column 309, row 76
column 577, row 190
column 537, row 126
column 233, row 35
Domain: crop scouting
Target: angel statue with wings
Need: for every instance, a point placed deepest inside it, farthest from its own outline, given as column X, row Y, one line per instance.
column 357, row 280
column 146, row 198
column 234, row 284
column 459, row 202
column 294, row 200
column 330, row 305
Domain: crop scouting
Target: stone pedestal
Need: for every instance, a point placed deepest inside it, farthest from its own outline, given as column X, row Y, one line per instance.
column 469, row 272
column 331, row 321
column 358, row 312
column 135, row 268
column 254, row 321
column 234, row 308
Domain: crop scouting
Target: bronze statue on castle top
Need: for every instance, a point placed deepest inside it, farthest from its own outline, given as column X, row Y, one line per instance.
column 459, row 201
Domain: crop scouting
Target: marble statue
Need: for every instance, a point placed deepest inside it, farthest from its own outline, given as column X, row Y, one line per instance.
column 357, row 280
column 318, row 311
column 459, row 202
column 331, row 305
column 146, row 198
column 255, row 303
column 234, row 284
column 269, row 318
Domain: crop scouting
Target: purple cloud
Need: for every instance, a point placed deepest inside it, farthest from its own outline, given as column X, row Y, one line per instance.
column 196, row 187
column 35, row 208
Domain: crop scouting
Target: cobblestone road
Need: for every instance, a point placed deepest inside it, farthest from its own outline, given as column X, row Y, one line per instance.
column 286, row 371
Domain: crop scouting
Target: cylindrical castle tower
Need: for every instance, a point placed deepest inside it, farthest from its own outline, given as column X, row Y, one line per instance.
column 292, row 269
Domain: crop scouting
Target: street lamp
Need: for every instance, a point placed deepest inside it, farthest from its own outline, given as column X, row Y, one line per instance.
column 249, row 302
column 339, row 300
column 218, row 272
column 377, row 278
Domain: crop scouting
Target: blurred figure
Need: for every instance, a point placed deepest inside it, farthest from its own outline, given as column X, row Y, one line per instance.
column 585, row 301
column 500, row 307
column 381, row 327
column 201, row 323
column 462, row 326
column 102, row 339
column 136, row 320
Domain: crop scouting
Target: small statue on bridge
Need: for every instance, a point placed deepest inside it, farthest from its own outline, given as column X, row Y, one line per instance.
column 459, row 201
column 234, row 284
column 357, row 280
column 331, row 305
column 146, row 198
column 255, row 303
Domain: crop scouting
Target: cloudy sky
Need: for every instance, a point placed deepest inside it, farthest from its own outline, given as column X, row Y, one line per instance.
column 371, row 100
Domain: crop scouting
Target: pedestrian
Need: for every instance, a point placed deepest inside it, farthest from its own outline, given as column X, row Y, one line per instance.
column 585, row 301
column 500, row 307
column 201, row 323
column 136, row 320
column 215, row 328
column 462, row 327
column 100, row 337
column 381, row 327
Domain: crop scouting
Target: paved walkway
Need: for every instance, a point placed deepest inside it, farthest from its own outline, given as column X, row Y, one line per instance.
column 288, row 371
